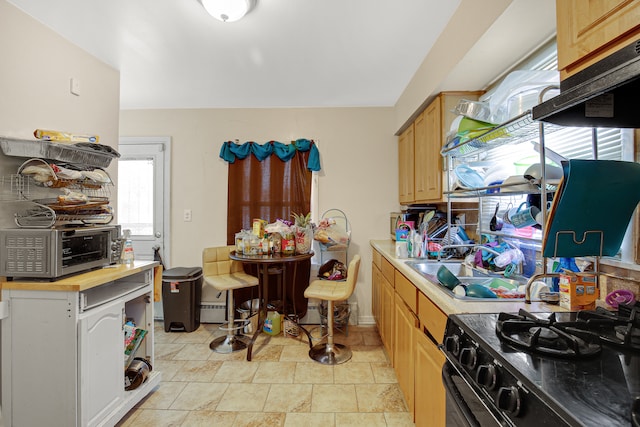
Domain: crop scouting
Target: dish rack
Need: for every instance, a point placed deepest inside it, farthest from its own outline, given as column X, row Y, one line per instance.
column 35, row 205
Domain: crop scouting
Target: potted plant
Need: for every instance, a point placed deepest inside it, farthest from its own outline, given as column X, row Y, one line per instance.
column 303, row 230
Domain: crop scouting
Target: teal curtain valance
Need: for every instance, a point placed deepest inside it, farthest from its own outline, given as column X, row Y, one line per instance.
column 285, row 152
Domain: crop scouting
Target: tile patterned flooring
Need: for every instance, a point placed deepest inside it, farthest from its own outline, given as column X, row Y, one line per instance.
column 281, row 386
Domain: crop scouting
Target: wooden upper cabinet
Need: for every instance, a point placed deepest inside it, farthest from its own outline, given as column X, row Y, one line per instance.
column 428, row 164
column 589, row 30
column 405, row 165
column 419, row 159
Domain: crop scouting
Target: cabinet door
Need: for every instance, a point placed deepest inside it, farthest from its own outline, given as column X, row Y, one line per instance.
column 375, row 293
column 591, row 30
column 101, row 348
column 403, row 350
column 429, row 391
column 386, row 307
column 428, row 169
column 406, row 165
column 39, row 371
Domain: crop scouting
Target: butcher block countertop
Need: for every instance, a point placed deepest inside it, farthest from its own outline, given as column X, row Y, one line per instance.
column 90, row 279
column 444, row 301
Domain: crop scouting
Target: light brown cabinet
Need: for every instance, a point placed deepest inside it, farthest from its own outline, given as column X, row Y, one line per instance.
column 427, row 158
column 411, row 326
column 387, row 307
column 406, row 323
column 591, row 30
column 376, row 283
column 420, row 166
column 429, row 390
column 428, row 362
column 406, row 166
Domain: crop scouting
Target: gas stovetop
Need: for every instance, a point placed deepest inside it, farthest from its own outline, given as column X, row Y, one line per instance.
column 583, row 366
column 572, row 335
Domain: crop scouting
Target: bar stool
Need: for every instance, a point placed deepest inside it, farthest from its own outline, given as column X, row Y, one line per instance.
column 331, row 353
column 224, row 274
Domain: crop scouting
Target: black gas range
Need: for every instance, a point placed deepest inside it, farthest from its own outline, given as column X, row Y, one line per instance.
column 543, row 369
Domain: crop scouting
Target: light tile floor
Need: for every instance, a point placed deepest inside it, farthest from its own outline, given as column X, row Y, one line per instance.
column 281, row 386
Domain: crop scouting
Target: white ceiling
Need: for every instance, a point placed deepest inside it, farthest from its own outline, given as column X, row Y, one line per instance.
column 284, row 53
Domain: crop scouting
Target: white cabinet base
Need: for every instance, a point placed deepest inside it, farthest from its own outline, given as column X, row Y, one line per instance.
column 63, row 350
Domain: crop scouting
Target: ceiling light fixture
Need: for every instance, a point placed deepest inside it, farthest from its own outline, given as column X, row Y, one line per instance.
column 228, row 10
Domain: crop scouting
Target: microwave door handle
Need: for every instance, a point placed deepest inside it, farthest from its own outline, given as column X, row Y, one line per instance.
column 462, row 408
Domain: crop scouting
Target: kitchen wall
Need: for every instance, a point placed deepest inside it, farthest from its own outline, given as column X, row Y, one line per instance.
column 35, row 74
column 359, row 170
column 37, row 66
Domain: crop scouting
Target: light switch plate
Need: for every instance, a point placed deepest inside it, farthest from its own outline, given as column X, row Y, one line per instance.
column 75, row 86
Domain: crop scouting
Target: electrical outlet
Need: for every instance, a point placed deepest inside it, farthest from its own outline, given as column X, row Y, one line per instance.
column 187, row 215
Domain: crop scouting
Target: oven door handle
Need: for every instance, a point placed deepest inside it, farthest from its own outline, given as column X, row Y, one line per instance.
column 448, row 372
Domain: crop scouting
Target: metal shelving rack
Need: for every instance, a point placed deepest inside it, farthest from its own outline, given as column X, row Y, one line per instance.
column 518, row 130
column 33, row 203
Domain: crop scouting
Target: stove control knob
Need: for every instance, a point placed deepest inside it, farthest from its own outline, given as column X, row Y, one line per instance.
column 469, row 357
column 487, row 376
column 452, row 344
column 508, row 399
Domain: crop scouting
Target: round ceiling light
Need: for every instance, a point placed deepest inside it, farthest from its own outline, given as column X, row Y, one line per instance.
column 228, row 10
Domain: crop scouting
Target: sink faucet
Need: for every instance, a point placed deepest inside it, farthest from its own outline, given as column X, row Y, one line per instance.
column 527, row 288
column 469, row 245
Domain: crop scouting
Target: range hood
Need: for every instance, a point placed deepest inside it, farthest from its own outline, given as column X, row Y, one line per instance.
column 606, row 94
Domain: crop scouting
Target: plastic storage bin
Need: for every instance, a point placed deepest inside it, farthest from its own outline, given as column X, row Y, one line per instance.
column 181, row 296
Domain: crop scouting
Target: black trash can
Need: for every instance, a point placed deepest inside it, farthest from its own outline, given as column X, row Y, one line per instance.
column 181, row 296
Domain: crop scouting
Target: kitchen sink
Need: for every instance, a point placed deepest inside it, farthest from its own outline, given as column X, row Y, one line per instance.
column 430, row 267
column 467, row 275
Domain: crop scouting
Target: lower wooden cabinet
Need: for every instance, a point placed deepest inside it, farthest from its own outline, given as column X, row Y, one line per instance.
column 430, row 398
column 387, row 316
column 409, row 324
column 406, row 323
column 375, row 293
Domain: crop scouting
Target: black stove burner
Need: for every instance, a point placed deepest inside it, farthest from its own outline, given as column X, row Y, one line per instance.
column 573, row 339
column 546, row 336
column 621, row 329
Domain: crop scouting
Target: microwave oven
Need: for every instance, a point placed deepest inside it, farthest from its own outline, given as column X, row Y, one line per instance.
column 54, row 253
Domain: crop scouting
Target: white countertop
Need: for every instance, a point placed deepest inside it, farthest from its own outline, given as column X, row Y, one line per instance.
column 448, row 304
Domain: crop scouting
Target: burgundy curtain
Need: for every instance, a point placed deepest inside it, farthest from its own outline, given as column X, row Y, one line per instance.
column 269, row 190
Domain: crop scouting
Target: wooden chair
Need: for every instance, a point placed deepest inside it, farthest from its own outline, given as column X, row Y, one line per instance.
column 331, row 353
column 224, row 274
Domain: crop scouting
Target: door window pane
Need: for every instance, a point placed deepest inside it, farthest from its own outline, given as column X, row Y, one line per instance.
column 135, row 196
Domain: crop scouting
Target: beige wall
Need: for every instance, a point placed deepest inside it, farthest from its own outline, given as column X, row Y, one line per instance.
column 359, row 170
column 37, row 65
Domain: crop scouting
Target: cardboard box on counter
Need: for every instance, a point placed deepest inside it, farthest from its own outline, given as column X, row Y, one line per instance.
column 578, row 291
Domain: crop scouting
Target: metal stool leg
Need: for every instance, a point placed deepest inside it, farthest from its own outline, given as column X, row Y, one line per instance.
column 230, row 342
column 330, row 353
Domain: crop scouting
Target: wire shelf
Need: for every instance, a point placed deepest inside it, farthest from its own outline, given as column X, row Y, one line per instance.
column 516, row 131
